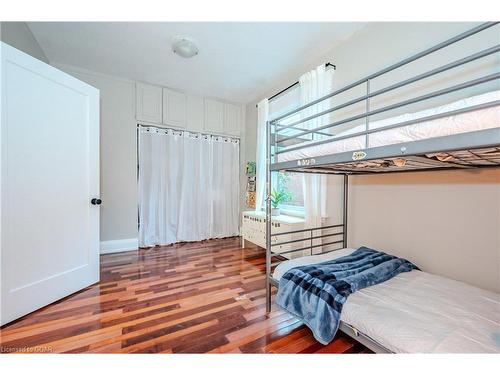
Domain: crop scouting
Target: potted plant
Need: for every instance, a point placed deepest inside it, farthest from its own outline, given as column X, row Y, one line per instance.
column 278, row 197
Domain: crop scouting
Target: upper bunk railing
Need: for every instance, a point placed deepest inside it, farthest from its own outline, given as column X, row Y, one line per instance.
column 279, row 128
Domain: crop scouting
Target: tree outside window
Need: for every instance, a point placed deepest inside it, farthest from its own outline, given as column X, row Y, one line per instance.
column 290, row 184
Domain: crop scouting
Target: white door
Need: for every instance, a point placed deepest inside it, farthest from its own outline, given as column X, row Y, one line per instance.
column 49, row 174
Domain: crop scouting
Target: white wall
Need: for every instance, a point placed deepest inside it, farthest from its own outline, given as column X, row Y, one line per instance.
column 18, row 35
column 119, row 158
column 446, row 222
column 118, row 154
column 382, row 44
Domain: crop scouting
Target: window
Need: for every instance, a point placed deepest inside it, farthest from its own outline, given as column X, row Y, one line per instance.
column 291, row 183
column 287, row 182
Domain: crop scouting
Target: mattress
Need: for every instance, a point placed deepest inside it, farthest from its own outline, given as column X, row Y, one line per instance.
column 473, row 120
column 417, row 312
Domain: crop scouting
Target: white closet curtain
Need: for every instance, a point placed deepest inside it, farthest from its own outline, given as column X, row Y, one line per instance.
column 188, row 186
column 262, row 118
column 313, row 85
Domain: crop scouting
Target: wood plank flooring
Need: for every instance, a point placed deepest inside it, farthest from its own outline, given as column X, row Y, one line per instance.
column 203, row 297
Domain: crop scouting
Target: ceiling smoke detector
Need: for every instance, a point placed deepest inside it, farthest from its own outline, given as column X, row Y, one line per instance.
column 184, row 47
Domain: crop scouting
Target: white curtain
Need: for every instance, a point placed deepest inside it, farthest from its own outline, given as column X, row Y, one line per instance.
column 188, row 186
column 260, row 158
column 225, row 187
column 313, row 85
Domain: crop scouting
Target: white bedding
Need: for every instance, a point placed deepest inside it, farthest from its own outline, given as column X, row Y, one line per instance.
column 465, row 122
column 420, row 312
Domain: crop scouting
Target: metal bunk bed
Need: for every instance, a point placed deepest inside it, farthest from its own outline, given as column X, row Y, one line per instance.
column 475, row 149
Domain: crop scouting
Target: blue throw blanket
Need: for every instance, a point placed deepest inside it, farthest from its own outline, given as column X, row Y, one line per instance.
column 316, row 293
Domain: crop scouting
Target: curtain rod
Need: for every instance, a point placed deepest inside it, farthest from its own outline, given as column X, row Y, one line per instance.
column 139, row 125
column 296, row 83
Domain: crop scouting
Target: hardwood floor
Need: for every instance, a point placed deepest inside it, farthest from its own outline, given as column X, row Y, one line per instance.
column 205, row 297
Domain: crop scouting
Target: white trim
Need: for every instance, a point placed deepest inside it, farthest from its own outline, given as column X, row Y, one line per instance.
column 65, row 67
column 77, row 69
column 116, row 246
column 291, row 210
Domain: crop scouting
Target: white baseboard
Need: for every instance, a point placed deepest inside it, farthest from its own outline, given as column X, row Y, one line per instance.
column 115, row 246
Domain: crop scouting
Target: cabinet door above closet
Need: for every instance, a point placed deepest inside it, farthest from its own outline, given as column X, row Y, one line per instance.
column 148, row 103
column 195, row 114
column 232, row 119
column 174, row 108
column 214, row 116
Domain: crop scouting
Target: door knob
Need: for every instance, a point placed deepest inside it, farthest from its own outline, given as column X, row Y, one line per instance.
column 96, row 201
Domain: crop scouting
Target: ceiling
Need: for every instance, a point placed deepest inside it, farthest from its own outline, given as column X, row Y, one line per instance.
column 237, row 61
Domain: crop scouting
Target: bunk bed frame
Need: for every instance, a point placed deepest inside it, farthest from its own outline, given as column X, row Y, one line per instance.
column 477, row 149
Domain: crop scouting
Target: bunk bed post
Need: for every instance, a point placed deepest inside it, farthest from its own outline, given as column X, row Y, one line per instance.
column 268, row 217
column 345, row 208
column 367, row 118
